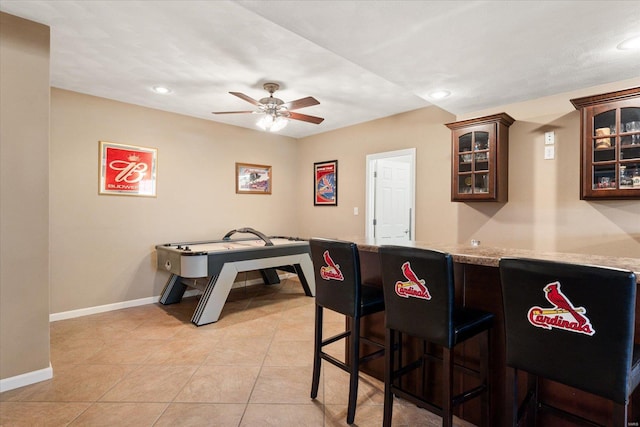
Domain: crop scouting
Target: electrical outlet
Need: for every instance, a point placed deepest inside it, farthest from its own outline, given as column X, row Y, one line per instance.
column 549, row 152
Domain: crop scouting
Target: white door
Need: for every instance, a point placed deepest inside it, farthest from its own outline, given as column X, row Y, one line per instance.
column 391, row 195
column 392, row 218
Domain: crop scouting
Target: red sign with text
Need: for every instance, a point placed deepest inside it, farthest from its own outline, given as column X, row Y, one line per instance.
column 127, row 170
column 326, row 183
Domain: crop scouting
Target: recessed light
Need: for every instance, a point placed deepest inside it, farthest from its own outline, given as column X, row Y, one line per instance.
column 439, row 94
column 632, row 43
column 161, row 89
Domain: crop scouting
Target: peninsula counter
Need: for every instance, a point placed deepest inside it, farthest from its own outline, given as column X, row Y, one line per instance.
column 477, row 282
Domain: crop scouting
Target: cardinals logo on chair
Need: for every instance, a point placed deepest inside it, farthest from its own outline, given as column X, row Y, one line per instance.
column 414, row 287
column 331, row 271
column 563, row 315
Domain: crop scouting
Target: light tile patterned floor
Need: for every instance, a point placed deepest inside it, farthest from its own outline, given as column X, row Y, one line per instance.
column 150, row 366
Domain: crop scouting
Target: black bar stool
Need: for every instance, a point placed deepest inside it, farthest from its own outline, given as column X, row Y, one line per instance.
column 419, row 302
column 339, row 288
column 573, row 324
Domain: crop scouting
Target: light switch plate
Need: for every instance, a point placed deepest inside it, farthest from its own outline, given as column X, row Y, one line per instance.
column 549, row 138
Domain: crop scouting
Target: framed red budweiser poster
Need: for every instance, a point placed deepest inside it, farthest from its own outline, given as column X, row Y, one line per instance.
column 127, row 170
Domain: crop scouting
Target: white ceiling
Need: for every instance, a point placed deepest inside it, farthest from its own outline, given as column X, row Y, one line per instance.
column 362, row 60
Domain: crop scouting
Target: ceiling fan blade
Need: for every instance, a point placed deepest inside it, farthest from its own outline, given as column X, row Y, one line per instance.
column 305, row 118
column 301, row 103
column 246, row 98
column 231, row 112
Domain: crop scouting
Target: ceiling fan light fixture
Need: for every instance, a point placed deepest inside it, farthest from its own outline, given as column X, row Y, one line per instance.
column 265, row 122
column 279, row 123
column 272, row 123
column 275, row 113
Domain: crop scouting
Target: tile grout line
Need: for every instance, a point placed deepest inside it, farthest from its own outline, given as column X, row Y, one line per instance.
column 273, row 334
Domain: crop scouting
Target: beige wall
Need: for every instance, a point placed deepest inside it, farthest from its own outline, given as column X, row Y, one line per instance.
column 421, row 129
column 24, row 197
column 102, row 246
column 544, row 211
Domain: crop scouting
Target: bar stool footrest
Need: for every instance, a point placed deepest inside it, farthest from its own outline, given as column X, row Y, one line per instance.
column 576, row 419
column 335, row 338
column 469, row 394
column 419, row 402
column 456, row 365
column 372, row 356
column 339, row 363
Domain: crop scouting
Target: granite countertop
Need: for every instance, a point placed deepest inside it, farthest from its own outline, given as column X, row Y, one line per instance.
column 488, row 256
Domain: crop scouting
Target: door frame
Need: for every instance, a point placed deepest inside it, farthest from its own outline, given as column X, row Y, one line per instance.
column 370, row 188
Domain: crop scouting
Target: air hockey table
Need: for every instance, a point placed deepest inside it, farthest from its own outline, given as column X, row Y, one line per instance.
column 219, row 262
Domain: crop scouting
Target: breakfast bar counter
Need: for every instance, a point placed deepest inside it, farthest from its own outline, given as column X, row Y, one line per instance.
column 477, row 283
column 489, row 256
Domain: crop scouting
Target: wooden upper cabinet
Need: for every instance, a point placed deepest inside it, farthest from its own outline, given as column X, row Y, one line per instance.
column 480, row 159
column 610, row 145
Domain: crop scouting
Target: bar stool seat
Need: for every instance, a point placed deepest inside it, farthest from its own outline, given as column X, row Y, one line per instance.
column 372, row 299
column 469, row 322
column 419, row 302
column 572, row 324
column 339, row 288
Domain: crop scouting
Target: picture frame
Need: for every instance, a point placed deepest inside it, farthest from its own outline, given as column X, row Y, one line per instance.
column 127, row 170
column 325, row 183
column 253, row 179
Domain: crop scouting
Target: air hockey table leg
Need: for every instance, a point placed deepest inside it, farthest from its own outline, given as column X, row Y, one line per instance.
column 173, row 290
column 270, row 276
column 303, row 280
column 304, row 270
column 214, row 296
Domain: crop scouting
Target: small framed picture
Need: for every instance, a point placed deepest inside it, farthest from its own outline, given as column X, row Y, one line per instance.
column 325, row 192
column 253, row 179
column 127, row 170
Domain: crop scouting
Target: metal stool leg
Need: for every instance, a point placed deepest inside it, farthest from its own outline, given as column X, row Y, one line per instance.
column 511, row 394
column 533, row 404
column 388, row 377
column 317, row 349
column 485, row 398
column 355, row 367
column 447, row 387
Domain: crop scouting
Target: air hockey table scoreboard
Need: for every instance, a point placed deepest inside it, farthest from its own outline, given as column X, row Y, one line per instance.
column 219, row 261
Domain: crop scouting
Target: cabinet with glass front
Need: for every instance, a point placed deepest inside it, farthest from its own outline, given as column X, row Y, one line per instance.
column 480, row 155
column 610, row 151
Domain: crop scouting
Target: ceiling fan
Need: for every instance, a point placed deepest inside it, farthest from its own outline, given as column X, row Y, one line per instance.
column 276, row 112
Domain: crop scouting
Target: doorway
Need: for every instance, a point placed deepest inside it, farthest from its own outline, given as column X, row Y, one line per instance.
column 390, row 195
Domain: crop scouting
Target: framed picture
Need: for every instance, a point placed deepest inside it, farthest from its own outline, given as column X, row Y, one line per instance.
column 253, row 179
column 127, row 170
column 325, row 178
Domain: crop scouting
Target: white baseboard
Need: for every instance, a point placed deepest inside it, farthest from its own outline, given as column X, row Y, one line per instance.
column 22, row 380
column 142, row 301
column 101, row 308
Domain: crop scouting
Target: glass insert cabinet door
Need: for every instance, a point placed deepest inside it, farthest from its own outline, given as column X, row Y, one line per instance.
column 479, row 158
column 473, row 162
column 610, row 154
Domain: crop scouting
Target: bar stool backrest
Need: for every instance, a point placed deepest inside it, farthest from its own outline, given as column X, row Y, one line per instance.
column 418, row 292
column 573, row 324
column 336, row 265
